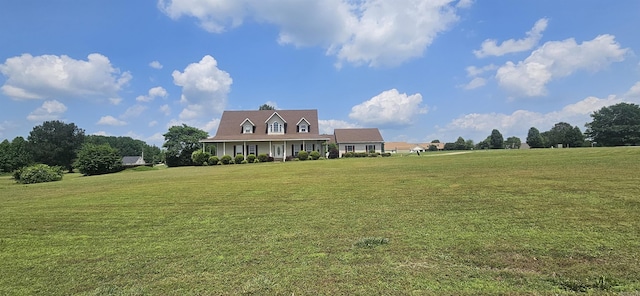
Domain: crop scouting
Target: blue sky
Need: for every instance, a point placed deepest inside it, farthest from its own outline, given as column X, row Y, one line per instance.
column 418, row 70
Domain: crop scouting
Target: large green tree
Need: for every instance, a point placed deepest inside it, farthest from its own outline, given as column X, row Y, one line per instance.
column 266, row 107
column 565, row 134
column 98, row 159
column 6, row 161
column 460, row 144
column 496, row 141
column 534, row 139
column 615, row 125
column 128, row 146
column 180, row 142
column 55, row 143
column 513, row 143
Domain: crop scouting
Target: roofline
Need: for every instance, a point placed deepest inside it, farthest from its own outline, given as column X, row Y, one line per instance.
column 262, row 140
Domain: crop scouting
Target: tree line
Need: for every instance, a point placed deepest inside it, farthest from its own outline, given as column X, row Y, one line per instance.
column 615, row 125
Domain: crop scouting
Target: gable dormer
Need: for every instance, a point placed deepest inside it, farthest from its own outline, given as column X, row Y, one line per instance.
column 303, row 126
column 276, row 125
column 247, row 127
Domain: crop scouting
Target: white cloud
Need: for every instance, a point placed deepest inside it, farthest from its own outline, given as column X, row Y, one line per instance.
column 115, row 101
column 557, row 59
column 155, row 65
column 390, row 108
column 490, row 47
column 50, row 110
column 474, row 72
column 204, row 88
column 475, row 83
column 479, row 125
column 110, row 120
column 133, row 111
column 51, row 76
column 329, row 125
column 373, row 32
column 634, row 92
column 153, row 123
column 165, row 109
column 156, row 92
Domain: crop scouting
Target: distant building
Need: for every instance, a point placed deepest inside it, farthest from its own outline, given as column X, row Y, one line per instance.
column 133, row 161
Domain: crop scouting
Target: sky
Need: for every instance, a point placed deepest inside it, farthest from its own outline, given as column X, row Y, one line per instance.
column 418, row 70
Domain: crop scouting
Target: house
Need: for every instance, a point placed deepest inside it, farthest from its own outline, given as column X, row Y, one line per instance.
column 277, row 133
column 358, row 140
column 133, row 160
column 404, row 147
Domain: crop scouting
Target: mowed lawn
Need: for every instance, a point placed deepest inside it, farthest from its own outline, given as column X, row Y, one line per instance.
column 552, row 221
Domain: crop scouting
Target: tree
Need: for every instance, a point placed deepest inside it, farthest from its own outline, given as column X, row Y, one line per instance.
column 460, row 144
column 181, row 142
column 496, row 141
column 98, row 159
column 55, row 143
column 513, row 143
column 6, row 161
column 449, row 146
column 534, row 139
column 333, row 151
column 128, row 146
column 200, row 157
column 469, row 144
column 615, row 125
column 435, row 141
column 266, row 107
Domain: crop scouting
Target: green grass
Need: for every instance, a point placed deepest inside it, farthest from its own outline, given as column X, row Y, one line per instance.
column 553, row 221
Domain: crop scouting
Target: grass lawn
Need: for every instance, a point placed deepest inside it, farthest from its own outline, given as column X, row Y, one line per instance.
column 553, row 221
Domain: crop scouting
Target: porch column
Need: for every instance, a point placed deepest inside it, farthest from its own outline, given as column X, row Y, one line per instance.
column 270, row 147
column 244, row 149
column 224, row 148
column 284, row 158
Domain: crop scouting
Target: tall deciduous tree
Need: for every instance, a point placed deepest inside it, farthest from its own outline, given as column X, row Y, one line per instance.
column 615, row 125
column 460, row 144
column 266, row 107
column 534, row 139
column 496, row 140
column 181, row 142
column 55, row 143
column 513, row 143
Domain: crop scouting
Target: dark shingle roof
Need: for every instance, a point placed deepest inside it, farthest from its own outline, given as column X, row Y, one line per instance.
column 358, row 135
column 230, row 128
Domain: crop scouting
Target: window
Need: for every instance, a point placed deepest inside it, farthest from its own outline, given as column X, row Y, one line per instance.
column 275, row 127
column 371, row 148
column 296, row 149
column 349, row 148
column 252, row 149
column 248, row 129
column 239, row 149
column 303, row 128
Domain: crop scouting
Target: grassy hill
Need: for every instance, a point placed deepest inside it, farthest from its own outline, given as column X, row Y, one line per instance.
column 486, row 222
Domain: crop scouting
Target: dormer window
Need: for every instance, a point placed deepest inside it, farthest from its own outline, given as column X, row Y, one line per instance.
column 276, row 124
column 247, row 127
column 303, row 125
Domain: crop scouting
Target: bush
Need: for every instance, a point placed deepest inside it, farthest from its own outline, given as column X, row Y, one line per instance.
column 347, row 155
column 374, row 154
column 262, row 157
column 386, row 154
column 199, row 157
column 314, row 155
column 213, row 160
column 239, row 158
column 303, row 155
column 39, row 173
column 98, row 159
column 226, row 159
column 361, row 154
column 251, row 158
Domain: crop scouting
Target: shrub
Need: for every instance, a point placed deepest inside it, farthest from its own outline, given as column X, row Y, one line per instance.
column 213, row 160
column 262, row 157
column 239, row 158
column 270, row 159
column 40, row 173
column 347, row 155
column 226, row 159
column 251, row 158
column 303, row 155
column 244, row 161
column 374, row 154
column 314, row 155
column 361, row 154
column 199, row 157
column 386, row 154
column 98, row 159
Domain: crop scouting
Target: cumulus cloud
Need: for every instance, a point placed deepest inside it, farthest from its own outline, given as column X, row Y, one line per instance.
column 329, row 125
column 110, row 120
column 377, row 33
column 474, row 72
column 557, row 59
column 50, row 110
column 479, row 125
column 156, row 92
column 204, row 88
column 155, row 65
column 490, row 47
column 133, row 111
column 634, row 92
column 390, row 108
column 51, row 76
column 165, row 109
